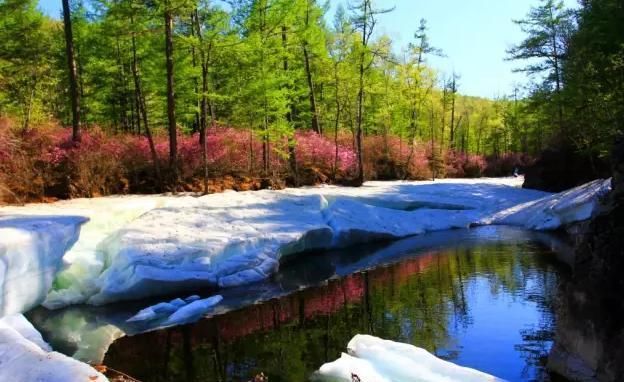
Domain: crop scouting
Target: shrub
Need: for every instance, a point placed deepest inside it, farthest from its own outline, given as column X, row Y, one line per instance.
column 314, row 150
column 462, row 165
column 504, row 165
column 44, row 161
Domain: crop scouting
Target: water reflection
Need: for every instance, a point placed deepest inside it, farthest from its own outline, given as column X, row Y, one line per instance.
column 487, row 303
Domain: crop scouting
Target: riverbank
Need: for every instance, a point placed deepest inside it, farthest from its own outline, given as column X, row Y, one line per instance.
column 589, row 343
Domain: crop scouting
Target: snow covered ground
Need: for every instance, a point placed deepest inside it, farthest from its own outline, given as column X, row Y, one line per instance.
column 139, row 246
column 370, row 358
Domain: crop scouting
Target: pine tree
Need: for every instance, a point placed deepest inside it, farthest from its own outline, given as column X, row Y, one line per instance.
column 548, row 27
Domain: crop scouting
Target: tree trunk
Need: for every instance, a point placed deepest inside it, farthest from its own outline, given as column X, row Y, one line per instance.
column 316, row 126
column 412, row 138
column 195, row 23
column 557, row 68
column 203, row 109
column 432, row 159
column 173, row 159
column 452, row 132
column 459, row 132
column 28, row 108
column 292, row 150
column 479, row 133
column 466, row 135
column 142, row 110
column 73, row 72
column 337, row 81
column 123, row 99
column 444, row 103
column 360, row 111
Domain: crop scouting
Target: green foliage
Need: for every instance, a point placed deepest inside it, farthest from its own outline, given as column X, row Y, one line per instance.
column 270, row 66
column 29, row 43
column 594, row 77
column 579, row 102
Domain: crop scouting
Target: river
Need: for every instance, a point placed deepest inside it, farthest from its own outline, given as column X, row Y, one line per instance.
column 482, row 298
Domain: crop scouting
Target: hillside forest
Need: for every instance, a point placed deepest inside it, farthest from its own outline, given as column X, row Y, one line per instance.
column 141, row 96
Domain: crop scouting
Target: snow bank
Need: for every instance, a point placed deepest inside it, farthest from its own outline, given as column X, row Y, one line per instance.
column 233, row 239
column 85, row 260
column 25, row 357
column 140, row 246
column 213, row 241
column 374, row 359
column 31, row 252
column 554, row 211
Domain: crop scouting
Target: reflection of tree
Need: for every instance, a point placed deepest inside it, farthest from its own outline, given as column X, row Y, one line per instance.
column 537, row 340
column 413, row 301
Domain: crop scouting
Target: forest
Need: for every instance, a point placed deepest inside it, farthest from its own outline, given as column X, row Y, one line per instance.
column 141, row 96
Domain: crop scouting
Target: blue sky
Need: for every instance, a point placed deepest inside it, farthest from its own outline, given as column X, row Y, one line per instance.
column 473, row 34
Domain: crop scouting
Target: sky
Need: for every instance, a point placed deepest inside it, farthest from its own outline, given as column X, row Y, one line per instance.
column 473, row 34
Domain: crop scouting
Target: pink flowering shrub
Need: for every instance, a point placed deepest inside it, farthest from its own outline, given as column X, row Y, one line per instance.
column 314, row 150
column 462, row 165
column 504, row 165
column 48, row 162
column 44, row 161
column 393, row 158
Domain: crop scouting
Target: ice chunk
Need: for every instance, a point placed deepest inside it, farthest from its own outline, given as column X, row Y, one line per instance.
column 31, row 252
column 374, row 359
column 162, row 309
column 192, row 298
column 193, row 311
column 24, row 360
column 349, row 369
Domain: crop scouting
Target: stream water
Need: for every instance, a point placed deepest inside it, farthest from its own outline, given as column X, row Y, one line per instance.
column 481, row 298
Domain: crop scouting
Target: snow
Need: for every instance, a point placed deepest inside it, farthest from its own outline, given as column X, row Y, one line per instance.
column 21, row 325
column 24, row 357
column 374, row 359
column 554, row 211
column 140, row 246
column 209, row 241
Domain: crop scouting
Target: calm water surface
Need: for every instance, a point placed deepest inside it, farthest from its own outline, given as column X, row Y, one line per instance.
column 481, row 298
